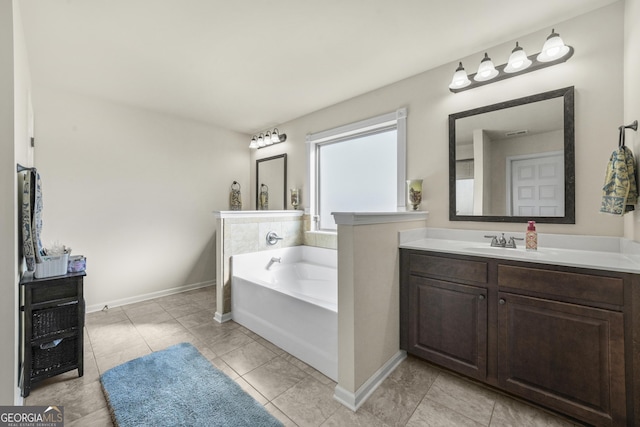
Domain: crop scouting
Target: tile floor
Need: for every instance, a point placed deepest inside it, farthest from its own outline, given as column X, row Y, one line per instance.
column 415, row 394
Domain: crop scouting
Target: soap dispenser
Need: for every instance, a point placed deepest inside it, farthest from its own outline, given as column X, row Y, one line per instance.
column 532, row 237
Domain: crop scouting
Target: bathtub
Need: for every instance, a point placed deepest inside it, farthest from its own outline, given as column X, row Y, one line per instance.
column 293, row 304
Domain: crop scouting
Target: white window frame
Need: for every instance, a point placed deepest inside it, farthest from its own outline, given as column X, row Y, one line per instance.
column 398, row 117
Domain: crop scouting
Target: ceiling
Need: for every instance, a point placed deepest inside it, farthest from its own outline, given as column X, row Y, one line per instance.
column 248, row 65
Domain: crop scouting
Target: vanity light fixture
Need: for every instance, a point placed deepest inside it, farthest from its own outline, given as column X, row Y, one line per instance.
column 270, row 138
column 553, row 52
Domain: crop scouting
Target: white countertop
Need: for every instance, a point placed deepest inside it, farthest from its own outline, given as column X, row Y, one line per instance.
column 596, row 252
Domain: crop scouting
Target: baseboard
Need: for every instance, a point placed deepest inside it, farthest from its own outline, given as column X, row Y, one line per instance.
column 144, row 297
column 354, row 400
column 221, row 318
column 18, row 400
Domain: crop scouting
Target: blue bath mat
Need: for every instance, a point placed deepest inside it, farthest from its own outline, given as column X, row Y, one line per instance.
column 178, row 387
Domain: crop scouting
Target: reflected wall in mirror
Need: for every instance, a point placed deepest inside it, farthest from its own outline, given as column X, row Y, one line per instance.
column 271, row 176
column 514, row 161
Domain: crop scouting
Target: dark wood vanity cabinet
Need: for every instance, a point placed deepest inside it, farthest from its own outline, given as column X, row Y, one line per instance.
column 558, row 336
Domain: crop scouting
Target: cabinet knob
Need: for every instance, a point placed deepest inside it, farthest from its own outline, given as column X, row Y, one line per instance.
column 502, row 301
column 481, row 297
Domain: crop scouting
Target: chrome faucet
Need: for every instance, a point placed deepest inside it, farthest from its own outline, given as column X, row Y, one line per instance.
column 272, row 238
column 272, row 261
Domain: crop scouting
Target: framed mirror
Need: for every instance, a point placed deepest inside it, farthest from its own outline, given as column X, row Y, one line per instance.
column 271, row 183
column 514, row 161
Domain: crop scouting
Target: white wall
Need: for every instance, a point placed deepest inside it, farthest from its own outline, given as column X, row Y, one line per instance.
column 8, row 263
column 595, row 70
column 631, row 98
column 14, row 147
column 134, row 191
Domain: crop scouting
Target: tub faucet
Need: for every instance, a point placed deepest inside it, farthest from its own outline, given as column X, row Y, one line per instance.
column 272, row 261
column 272, row 238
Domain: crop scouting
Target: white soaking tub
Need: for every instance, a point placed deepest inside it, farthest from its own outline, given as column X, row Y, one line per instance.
column 293, row 303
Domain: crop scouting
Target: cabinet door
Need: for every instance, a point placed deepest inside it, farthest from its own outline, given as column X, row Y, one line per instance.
column 564, row 356
column 448, row 325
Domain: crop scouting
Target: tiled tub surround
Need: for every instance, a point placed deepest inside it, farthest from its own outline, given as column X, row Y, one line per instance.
column 241, row 232
column 573, row 305
column 292, row 302
column 415, row 394
column 320, row 239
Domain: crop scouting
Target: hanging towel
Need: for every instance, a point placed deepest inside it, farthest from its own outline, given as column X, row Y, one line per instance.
column 32, row 219
column 37, row 216
column 620, row 191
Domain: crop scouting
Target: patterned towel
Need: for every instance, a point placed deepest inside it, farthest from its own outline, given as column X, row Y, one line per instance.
column 32, row 219
column 620, row 191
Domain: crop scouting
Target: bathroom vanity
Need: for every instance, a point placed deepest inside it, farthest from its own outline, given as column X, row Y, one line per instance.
column 562, row 336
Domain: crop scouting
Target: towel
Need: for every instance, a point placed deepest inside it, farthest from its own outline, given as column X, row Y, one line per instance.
column 620, row 191
column 32, row 219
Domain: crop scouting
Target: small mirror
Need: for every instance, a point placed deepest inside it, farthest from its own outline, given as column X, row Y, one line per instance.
column 514, row 161
column 271, row 183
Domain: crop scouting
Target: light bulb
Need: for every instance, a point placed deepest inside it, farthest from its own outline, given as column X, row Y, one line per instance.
column 486, row 70
column 518, row 60
column 275, row 138
column 460, row 78
column 554, row 48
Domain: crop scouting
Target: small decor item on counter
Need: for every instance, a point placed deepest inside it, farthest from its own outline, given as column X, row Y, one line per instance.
column 77, row 264
column 235, row 198
column 264, row 198
column 295, row 198
column 54, row 261
column 414, row 193
column 532, row 237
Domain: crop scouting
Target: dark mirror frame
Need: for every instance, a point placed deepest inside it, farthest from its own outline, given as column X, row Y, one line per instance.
column 284, row 190
column 569, row 158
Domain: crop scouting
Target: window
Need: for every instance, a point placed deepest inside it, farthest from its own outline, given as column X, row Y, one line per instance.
column 357, row 168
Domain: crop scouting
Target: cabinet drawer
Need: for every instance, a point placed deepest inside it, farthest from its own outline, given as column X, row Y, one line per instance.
column 56, row 289
column 570, row 287
column 52, row 357
column 54, row 320
column 449, row 268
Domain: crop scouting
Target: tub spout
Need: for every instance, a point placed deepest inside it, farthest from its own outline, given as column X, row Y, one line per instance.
column 273, row 261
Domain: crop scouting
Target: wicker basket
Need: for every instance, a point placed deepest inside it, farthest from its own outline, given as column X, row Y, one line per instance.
column 48, row 359
column 54, row 320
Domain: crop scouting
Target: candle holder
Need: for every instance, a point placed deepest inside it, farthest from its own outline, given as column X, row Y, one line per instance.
column 235, row 199
column 414, row 193
column 295, row 198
